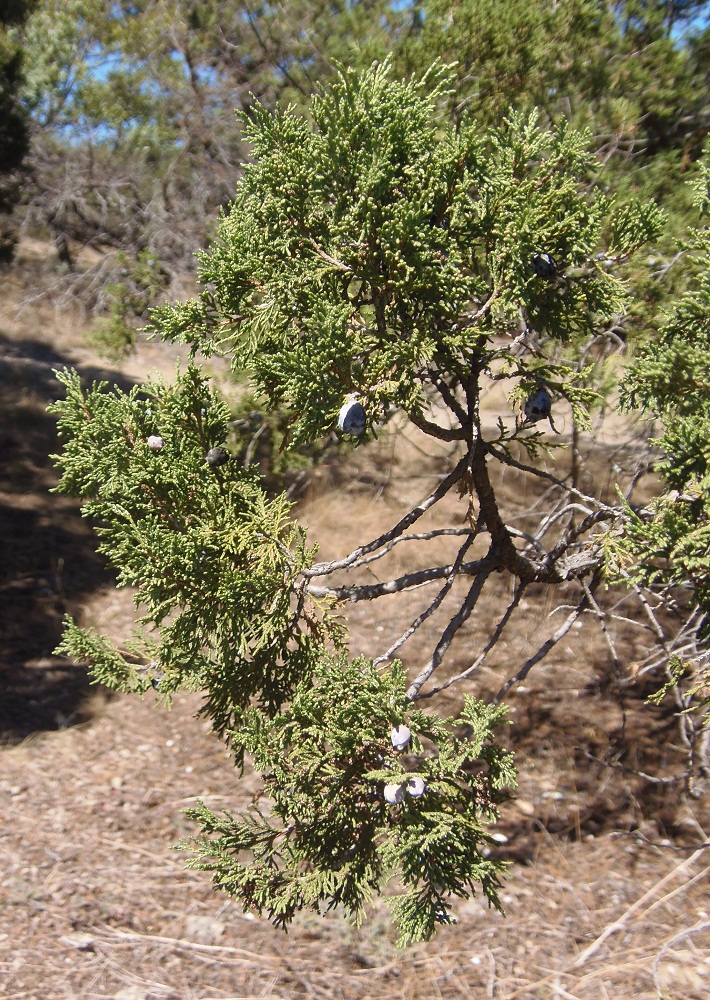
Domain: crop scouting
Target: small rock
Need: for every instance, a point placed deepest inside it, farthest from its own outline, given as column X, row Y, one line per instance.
column 82, row 942
column 203, row 930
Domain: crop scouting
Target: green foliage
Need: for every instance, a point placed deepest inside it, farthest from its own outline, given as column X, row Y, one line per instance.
column 259, row 438
column 668, row 543
column 372, row 249
column 14, row 142
column 329, row 836
column 634, row 74
column 177, row 530
column 355, row 248
column 676, row 670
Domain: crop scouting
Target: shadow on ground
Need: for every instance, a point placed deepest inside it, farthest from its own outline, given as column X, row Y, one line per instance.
column 49, row 565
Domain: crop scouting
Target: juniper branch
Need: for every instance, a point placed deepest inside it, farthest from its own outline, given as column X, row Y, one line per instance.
column 435, row 430
column 456, row 569
column 369, row 591
column 422, row 536
column 543, row 474
column 492, row 642
column 448, row 395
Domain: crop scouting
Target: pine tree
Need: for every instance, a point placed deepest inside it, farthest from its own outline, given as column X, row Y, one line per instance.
column 376, row 259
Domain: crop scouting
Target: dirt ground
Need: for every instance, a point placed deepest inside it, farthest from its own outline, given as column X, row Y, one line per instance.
column 607, row 896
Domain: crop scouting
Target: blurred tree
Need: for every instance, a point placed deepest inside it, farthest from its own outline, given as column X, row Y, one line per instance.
column 648, row 16
column 136, row 145
column 525, row 53
column 628, row 69
column 13, row 121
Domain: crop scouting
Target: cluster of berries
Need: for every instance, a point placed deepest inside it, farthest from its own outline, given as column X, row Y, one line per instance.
column 214, row 457
column 414, row 784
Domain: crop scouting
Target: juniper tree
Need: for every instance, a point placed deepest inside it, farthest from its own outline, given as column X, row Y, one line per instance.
column 665, row 547
column 376, row 260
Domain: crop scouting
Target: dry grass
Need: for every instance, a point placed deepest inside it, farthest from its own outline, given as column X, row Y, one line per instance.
column 94, row 902
column 606, row 899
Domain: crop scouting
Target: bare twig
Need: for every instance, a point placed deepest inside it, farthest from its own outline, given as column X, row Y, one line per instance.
column 252, row 446
column 435, row 430
column 602, row 617
column 685, row 723
column 470, row 319
column 701, row 925
column 542, row 651
column 323, row 569
column 337, row 264
column 455, row 570
column 623, row 920
column 367, row 591
column 421, row 536
column 555, row 515
column 574, row 532
column 666, row 845
column 616, row 765
column 478, row 662
column 452, row 628
column 448, row 395
column 181, row 943
column 543, row 474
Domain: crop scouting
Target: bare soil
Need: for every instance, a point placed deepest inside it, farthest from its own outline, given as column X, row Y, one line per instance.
column 607, row 895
